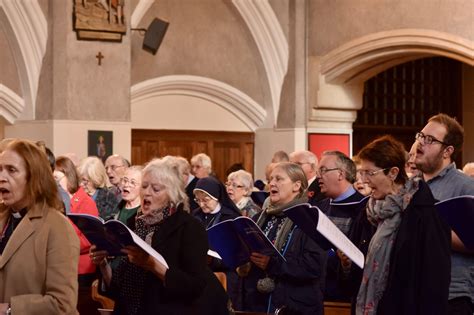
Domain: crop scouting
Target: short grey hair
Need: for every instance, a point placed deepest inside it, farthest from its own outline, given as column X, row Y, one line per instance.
column 244, row 177
column 309, row 156
column 345, row 164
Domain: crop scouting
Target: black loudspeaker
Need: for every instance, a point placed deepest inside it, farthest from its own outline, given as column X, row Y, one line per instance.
column 154, row 35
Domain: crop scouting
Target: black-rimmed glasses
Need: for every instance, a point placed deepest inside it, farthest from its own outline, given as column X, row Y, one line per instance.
column 427, row 139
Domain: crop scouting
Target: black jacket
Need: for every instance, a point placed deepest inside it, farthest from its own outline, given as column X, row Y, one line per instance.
column 420, row 263
column 189, row 287
column 298, row 280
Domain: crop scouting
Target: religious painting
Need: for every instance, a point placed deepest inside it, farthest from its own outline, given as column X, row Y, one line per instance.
column 100, row 144
column 99, row 19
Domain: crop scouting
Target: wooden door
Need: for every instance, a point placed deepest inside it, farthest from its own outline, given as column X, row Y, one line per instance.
column 224, row 148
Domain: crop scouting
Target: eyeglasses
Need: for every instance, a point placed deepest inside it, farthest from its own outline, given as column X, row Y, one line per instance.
column 113, row 167
column 233, row 185
column 133, row 183
column 427, row 139
column 202, row 201
column 320, row 172
column 365, row 173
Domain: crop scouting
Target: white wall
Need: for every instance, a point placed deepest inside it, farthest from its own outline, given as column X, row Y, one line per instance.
column 183, row 112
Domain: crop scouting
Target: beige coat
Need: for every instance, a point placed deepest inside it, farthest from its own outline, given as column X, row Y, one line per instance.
column 38, row 268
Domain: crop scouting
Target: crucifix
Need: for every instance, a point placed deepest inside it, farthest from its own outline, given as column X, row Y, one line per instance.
column 99, row 58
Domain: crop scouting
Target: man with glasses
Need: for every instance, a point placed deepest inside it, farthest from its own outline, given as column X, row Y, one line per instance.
column 437, row 146
column 336, row 175
column 309, row 163
column 115, row 166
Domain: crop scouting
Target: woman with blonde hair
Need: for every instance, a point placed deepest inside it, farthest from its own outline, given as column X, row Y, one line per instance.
column 94, row 180
column 66, row 176
column 295, row 282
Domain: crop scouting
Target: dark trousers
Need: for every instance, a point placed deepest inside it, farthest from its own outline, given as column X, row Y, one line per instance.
column 460, row 306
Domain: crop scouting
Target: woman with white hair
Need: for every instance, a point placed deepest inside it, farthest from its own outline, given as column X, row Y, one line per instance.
column 141, row 284
column 201, row 165
column 239, row 186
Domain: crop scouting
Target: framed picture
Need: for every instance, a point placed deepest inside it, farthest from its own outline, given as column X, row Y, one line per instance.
column 100, row 144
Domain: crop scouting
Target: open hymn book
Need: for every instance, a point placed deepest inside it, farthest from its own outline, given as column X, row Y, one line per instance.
column 319, row 227
column 111, row 236
column 234, row 241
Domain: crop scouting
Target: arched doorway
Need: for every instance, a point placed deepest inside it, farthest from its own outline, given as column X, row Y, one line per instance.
column 400, row 100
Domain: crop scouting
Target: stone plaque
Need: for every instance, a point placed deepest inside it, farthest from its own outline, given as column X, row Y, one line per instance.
column 99, row 19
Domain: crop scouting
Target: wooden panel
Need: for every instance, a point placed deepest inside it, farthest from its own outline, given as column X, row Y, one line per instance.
column 337, row 308
column 224, row 148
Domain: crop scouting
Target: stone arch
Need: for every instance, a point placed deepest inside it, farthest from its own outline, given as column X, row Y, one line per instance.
column 11, row 105
column 231, row 99
column 267, row 33
column 26, row 29
column 364, row 57
column 343, row 71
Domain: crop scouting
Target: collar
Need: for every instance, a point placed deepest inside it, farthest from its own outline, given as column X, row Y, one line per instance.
column 444, row 171
column 217, row 209
column 243, row 202
column 346, row 194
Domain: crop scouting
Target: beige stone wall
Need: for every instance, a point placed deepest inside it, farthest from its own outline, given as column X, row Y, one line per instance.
column 8, row 70
column 336, row 22
column 205, row 38
column 80, row 88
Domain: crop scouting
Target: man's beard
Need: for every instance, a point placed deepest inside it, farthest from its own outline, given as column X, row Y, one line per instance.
column 432, row 165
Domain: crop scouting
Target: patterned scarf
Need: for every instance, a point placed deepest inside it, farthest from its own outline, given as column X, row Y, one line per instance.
column 386, row 215
column 286, row 226
column 131, row 278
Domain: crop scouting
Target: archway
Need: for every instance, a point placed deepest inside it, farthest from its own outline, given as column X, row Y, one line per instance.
column 26, row 29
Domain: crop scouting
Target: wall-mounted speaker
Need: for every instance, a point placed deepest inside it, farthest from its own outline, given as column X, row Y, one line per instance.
column 154, row 35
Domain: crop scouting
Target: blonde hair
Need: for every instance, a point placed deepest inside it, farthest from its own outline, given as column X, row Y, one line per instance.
column 180, row 163
column 93, row 168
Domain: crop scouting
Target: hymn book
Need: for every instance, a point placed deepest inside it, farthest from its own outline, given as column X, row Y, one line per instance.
column 111, row 236
column 458, row 213
column 312, row 221
column 234, row 241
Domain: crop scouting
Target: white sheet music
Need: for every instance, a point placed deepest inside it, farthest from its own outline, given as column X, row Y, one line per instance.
column 336, row 237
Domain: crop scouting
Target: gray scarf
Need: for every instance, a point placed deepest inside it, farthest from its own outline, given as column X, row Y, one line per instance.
column 386, row 215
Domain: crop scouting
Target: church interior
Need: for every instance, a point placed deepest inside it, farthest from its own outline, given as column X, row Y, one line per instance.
column 236, row 79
